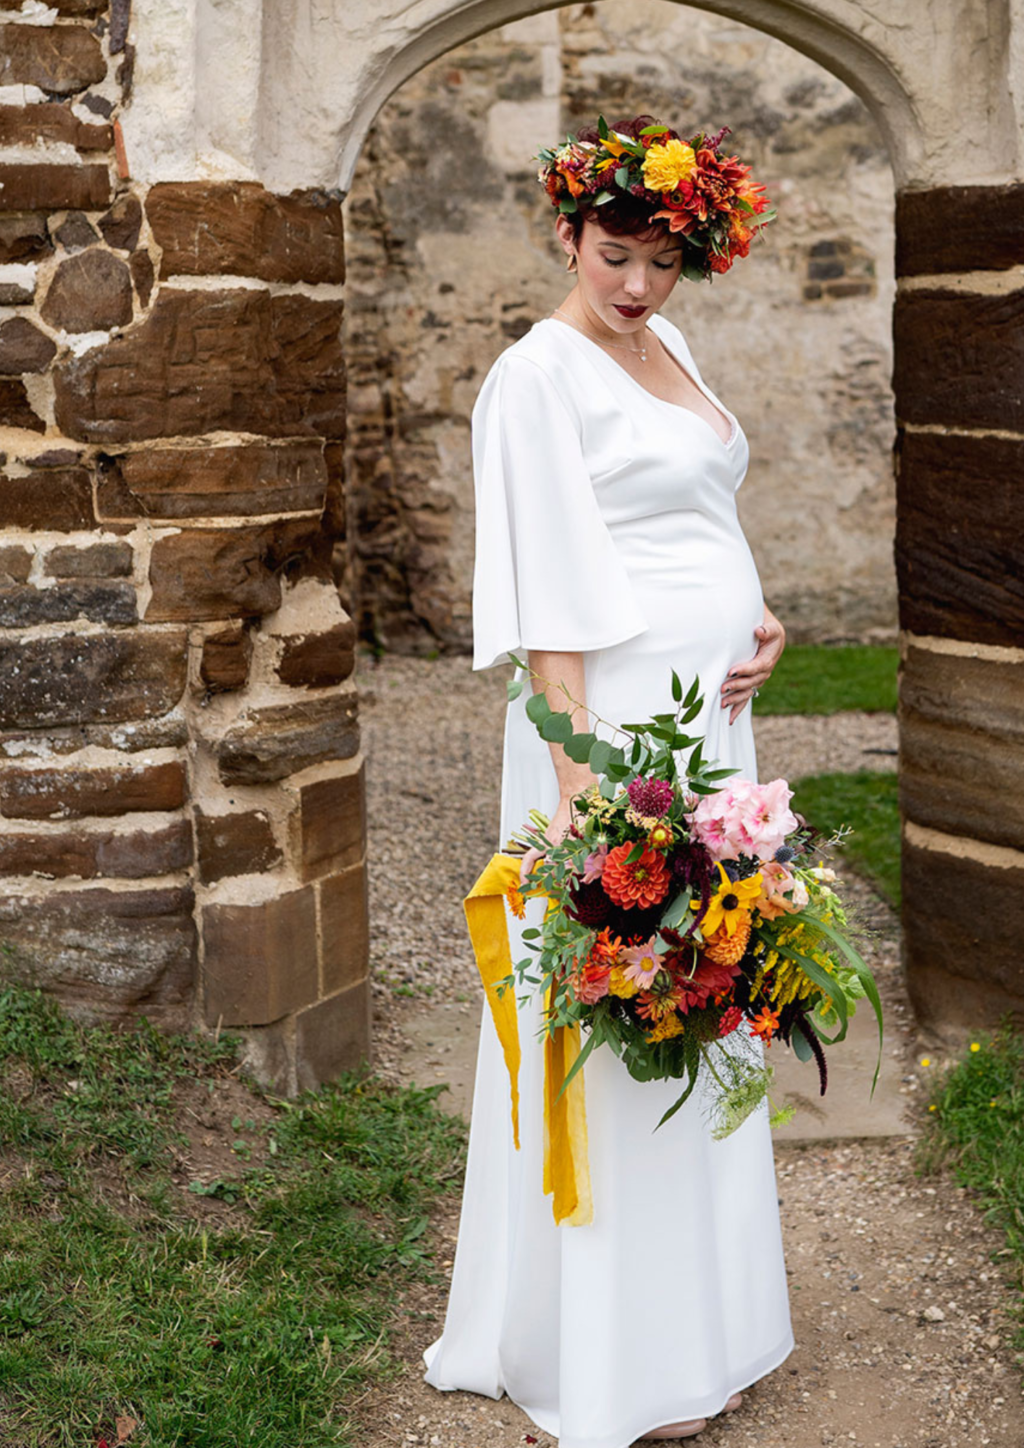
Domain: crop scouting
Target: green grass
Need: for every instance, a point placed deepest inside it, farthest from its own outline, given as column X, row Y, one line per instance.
column 976, row 1130
column 869, row 804
column 827, row 678
column 242, row 1310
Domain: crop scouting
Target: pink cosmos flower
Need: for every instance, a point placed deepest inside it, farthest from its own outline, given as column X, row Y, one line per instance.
column 593, row 866
column 642, row 963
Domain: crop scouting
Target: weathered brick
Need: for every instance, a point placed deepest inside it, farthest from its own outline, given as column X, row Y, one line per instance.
column 23, row 237
column 961, row 940
column 344, row 921
column 48, row 123
column 959, row 543
column 122, row 223
column 203, row 573
column 959, row 229
column 105, row 952
column 20, row 607
column 91, row 678
column 332, row 824
column 260, row 960
column 333, row 1036
column 74, row 793
column 959, row 359
column 96, row 560
column 90, row 292
column 58, row 499
column 15, row 564
column 225, row 660
column 235, row 844
column 241, row 361
column 15, row 408
column 29, row 186
column 23, row 348
column 270, row 743
column 316, row 661
column 236, row 227
column 128, row 856
column 58, row 59
column 224, row 481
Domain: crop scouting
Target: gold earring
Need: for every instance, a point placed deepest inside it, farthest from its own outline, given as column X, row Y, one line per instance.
column 570, row 264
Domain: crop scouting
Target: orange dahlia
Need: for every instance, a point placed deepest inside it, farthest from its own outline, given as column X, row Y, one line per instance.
column 638, row 885
column 726, row 949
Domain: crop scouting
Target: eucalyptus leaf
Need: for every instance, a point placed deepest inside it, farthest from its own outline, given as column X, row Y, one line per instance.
column 677, row 687
column 537, row 709
column 622, row 177
column 600, row 754
column 513, row 687
column 556, row 728
column 579, row 746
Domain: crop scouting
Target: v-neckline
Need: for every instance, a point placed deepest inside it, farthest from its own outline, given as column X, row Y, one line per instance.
column 734, row 426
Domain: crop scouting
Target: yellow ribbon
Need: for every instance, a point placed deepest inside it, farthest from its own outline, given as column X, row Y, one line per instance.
column 566, row 1169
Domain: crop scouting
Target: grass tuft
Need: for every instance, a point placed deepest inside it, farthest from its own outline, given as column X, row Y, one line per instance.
column 828, row 678
column 869, row 804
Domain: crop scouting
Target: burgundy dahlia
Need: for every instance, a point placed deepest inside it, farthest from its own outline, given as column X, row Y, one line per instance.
column 589, row 904
column 650, row 797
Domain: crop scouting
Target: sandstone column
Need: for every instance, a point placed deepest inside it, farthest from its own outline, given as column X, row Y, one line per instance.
column 959, row 379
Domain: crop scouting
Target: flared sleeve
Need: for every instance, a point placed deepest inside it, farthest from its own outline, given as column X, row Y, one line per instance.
column 547, row 574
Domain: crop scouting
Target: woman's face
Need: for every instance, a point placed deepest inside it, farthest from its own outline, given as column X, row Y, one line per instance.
column 622, row 280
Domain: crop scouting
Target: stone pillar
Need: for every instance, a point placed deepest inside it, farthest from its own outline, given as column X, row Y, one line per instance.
column 180, row 779
column 959, row 378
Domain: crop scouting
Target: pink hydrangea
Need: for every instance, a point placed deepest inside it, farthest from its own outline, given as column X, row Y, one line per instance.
column 745, row 819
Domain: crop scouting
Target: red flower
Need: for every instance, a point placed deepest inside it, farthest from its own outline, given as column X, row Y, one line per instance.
column 640, row 884
column 730, row 1019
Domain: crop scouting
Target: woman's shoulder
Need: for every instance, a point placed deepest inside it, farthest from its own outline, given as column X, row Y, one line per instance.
column 538, row 362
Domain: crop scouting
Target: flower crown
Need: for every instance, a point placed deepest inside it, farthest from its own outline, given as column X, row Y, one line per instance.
column 706, row 197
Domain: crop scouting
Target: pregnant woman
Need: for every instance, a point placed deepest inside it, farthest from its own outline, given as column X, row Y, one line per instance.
column 609, row 553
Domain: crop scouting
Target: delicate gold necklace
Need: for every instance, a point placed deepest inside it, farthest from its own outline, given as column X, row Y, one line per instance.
column 640, row 352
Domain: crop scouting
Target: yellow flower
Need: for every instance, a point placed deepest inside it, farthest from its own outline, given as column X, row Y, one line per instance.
column 666, row 1028
column 933, row 1108
column 975, row 1046
column 667, row 164
column 926, row 1060
column 731, row 902
column 516, row 903
column 619, row 985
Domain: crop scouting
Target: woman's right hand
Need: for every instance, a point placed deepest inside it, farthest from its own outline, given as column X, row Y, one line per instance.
column 556, row 831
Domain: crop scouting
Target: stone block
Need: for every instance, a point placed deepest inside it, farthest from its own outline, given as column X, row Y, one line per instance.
column 97, row 560
column 959, row 229
column 962, row 924
column 962, row 746
column 22, row 606
column 204, row 573
column 91, row 292
column 28, row 186
column 240, row 361
column 15, row 564
column 76, row 232
column 141, row 267
column 58, row 59
column 79, row 7
column 332, row 824
column 122, row 223
column 23, row 237
column 959, row 359
column 318, row 660
column 222, row 481
column 14, row 294
column 15, row 408
column 48, row 124
column 105, row 953
column 55, row 499
column 237, row 228
column 131, row 855
column 270, row 743
column 260, row 961
column 332, row 1037
column 91, row 678
column 74, row 793
column 959, row 543
column 225, row 659
column 235, row 844
column 344, row 924
column 23, row 348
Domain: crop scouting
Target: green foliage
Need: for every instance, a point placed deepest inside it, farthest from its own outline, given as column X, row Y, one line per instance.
column 869, row 804
column 243, row 1310
column 977, row 1131
column 828, row 678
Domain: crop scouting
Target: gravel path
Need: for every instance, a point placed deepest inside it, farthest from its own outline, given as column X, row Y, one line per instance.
column 899, row 1311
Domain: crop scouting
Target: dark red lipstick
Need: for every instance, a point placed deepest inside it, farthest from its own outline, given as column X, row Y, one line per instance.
column 630, row 311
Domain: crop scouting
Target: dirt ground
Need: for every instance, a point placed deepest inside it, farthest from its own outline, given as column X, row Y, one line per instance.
column 897, row 1288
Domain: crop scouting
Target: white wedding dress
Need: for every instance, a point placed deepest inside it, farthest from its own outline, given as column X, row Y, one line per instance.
column 606, row 522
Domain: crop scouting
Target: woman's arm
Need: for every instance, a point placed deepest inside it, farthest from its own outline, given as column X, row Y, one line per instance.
column 558, row 669
column 743, row 679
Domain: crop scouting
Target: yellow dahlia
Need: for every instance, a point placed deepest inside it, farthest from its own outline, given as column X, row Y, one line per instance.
column 620, row 985
column 726, row 949
column 666, row 1028
column 666, row 165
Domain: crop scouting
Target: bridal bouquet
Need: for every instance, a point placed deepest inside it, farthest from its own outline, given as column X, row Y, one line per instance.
column 688, row 922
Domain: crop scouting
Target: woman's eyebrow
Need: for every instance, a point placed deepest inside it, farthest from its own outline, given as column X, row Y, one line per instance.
column 665, row 251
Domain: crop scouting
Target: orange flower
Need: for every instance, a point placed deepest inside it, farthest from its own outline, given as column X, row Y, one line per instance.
column 606, row 949
column 640, row 884
column 515, row 901
column 765, row 1025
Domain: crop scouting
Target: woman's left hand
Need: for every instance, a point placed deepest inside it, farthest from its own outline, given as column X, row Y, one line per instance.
column 744, row 680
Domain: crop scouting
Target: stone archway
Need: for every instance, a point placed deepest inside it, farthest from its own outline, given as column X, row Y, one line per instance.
column 181, row 782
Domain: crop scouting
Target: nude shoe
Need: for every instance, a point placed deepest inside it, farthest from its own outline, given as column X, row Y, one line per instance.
column 689, row 1429
column 733, row 1403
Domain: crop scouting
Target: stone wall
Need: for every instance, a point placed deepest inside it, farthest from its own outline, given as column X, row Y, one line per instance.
column 451, row 257
column 180, row 780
